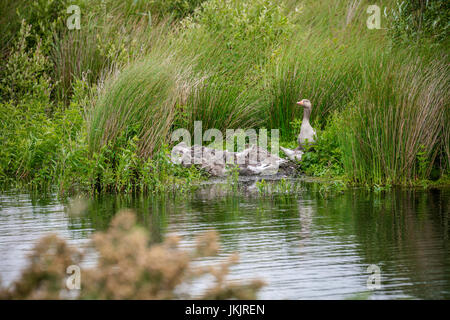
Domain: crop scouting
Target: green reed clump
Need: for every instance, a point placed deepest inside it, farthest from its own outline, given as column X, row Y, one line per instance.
column 324, row 72
column 221, row 106
column 139, row 102
column 229, row 41
column 112, row 34
column 128, row 267
column 396, row 124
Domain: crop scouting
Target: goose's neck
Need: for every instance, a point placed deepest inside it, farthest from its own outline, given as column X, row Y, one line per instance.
column 306, row 115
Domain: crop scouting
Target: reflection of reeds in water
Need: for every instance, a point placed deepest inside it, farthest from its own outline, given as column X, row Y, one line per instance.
column 250, row 187
column 127, row 268
column 404, row 232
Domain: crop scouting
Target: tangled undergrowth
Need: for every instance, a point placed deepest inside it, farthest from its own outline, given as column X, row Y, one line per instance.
column 128, row 267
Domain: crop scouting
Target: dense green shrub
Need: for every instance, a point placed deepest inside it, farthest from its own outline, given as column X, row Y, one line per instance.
column 261, row 21
column 416, row 20
column 46, row 17
column 244, row 25
column 25, row 73
column 324, row 158
column 176, row 8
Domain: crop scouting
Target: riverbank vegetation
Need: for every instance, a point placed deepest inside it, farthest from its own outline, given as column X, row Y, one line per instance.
column 92, row 109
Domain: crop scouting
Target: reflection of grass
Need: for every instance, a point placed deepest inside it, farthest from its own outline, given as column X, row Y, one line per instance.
column 327, row 189
column 233, row 177
column 364, row 295
column 279, row 187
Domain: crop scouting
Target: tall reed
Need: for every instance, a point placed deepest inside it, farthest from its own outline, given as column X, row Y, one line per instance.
column 320, row 70
column 140, row 101
column 396, row 123
column 111, row 36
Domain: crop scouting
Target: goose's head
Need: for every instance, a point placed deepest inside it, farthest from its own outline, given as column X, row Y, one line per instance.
column 305, row 103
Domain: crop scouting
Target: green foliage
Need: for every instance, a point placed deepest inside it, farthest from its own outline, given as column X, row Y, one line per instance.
column 259, row 22
column 324, row 158
column 176, row 8
column 25, row 74
column 46, row 18
column 36, row 146
column 119, row 169
column 29, row 137
column 418, row 20
column 111, row 34
column 329, row 189
column 139, row 102
column 243, row 34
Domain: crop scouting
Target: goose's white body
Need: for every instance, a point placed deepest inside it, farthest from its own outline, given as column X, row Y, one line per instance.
column 307, row 134
column 294, row 155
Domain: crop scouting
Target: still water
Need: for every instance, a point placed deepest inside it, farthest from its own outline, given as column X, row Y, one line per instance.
column 303, row 244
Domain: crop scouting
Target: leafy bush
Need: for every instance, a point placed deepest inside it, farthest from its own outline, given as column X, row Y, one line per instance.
column 415, row 20
column 29, row 138
column 324, row 158
column 247, row 30
column 259, row 22
column 176, row 8
column 25, row 74
column 46, row 18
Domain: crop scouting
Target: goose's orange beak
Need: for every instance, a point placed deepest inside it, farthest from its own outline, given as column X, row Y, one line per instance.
column 300, row 103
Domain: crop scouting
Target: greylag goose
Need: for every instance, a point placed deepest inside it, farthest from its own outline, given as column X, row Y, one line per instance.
column 307, row 133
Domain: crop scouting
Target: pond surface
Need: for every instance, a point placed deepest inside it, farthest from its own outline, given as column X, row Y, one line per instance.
column 303, row 244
